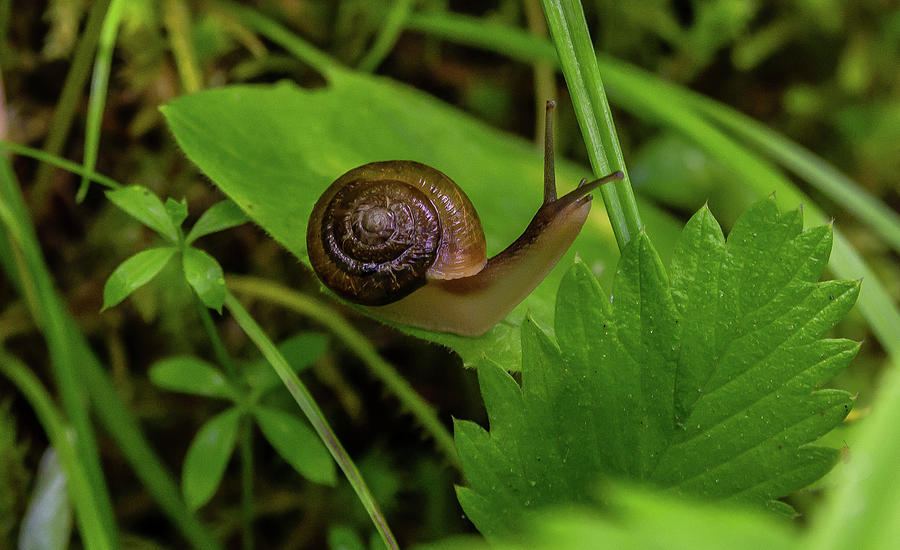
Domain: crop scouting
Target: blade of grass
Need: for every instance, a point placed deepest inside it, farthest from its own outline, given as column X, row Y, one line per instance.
column 67, row 105
column 309, row 407
column 52, row 160
column 99, row 83
column 568, row 29
column 387, row 35
column 821, row 175
column 48, row 314
column 177, row 19
column 642, row 94
column 270, row 29
column 90, row 523
column 862, row 511
column 116, row 418
column 411, row 401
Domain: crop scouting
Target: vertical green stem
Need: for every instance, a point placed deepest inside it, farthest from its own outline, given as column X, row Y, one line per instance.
column 99, row 84
column 246, row 450
column 387, row 36
column 90, row 522
column 568, row 28
column 69, row 100
column 309, row 407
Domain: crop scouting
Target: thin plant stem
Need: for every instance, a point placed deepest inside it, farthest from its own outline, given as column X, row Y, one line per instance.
column 54, row 160
column 218, row 346
column 420, row 409
column 387, row 35
column 177, row 19
column 69, row 98
column 312, row 411
column 568, row 28
column 247, row 507
column 544, row 73
column 90, row 522
column 99, row 84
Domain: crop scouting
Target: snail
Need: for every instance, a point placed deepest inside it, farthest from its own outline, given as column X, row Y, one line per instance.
column 403, row 240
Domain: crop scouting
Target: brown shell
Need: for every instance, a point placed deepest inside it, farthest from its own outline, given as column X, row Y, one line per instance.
column 383, row 230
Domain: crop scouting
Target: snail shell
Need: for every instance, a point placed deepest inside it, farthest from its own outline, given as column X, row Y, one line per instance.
column 402, row 239
column 385, row 229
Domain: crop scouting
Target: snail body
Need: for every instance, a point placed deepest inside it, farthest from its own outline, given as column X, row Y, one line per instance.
column 402, row 239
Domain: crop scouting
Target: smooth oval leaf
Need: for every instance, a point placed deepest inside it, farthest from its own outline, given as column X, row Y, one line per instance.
column 296, row 442
column 204, row 274
column 273, row 150
column 207, row 457
column 220, row 216
column 145, row 207
column 341, row 537
column 300, row 351
column 191, row 375
column 134, row 273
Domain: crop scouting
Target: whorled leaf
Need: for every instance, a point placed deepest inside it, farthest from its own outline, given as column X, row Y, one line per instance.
column 709, row 386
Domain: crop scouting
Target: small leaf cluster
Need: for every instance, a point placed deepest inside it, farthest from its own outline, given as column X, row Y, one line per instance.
column 214, row 443
column 202, row 272
column 708, row 385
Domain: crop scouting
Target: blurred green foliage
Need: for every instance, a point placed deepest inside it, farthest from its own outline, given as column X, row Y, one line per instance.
column 822, row 72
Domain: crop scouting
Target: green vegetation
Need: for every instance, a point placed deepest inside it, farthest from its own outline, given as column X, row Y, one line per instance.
column 663, row 386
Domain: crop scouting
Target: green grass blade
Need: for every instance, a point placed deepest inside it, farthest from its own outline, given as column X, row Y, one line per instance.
column 49, row 314
column 568, row 28
column 177, row 19
column 99, row 83
column 862, row 511
column 821, row 175
column 357, row 343
column 300, row 48
column 387, row 36
column 89, row 517
column 53, row 160
column 69, row 100
column 312, row 411
column 116, row 418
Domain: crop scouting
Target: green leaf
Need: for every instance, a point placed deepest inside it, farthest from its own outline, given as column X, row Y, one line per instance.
column 300, row 351
column 273, row 150
column 146, row 208
column 191, row 375
column 220, row 216
column 47, row 524
column 639, row 519
column 708, row 387
column 207, row 457
column 204, row 274
column 177, row 211
column 341, row 537
column 134, row 273
column 297, row 444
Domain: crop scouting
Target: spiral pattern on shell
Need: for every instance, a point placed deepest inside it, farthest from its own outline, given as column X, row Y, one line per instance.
column 382, row 230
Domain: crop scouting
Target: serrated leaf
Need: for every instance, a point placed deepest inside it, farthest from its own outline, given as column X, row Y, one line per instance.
column 191, row 375
column 219, row 217
column 707, row 387
column 207, row 457
column 145, row 207
column 205, row 276
column 134, row 273
column 176, row 210
column 296, row 442
column 273, row 150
